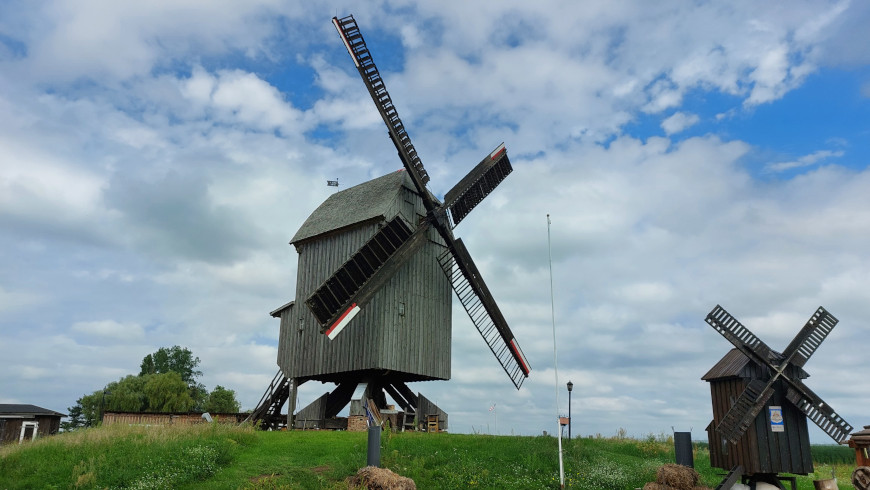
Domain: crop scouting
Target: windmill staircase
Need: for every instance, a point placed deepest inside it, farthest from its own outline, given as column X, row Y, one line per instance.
column 268, row 411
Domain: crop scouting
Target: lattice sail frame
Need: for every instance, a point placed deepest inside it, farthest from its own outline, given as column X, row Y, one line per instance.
column 340, row 298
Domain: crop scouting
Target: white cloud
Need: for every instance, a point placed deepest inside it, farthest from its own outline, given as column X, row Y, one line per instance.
column 14, row 300
column 678, row 122
column 804, row 161
column 109, row 329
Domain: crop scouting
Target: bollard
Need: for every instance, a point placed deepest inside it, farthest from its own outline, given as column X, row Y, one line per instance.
column 683, row 449
column 374, row 450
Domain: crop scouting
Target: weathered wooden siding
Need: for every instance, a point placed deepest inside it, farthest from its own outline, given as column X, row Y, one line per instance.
column 425, row 407
column 413, row 346
column 10, row 429
column 759, row 450
column 163, row 418
column 312, row 416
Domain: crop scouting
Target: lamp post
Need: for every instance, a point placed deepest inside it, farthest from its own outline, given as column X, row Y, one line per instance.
column 570, row 387
column 103, row 405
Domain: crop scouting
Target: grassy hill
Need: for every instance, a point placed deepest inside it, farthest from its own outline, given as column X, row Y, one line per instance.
column 220, row 456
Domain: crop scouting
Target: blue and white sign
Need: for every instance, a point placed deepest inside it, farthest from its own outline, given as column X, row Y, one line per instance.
column 777, row 423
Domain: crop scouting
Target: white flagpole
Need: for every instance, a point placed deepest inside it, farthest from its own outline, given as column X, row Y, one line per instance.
column 555, row 359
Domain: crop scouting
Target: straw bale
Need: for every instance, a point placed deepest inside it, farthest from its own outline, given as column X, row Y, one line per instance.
column 656, row 486
column 677, row 476
column 373, row 478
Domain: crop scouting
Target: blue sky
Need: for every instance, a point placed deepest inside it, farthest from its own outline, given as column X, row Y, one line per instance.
column 155, row 160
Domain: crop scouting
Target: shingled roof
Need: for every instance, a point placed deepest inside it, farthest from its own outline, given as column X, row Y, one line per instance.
column 357, row 204
column 733, row 363
column 16, row 409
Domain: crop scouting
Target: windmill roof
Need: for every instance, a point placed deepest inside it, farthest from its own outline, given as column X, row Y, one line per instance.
column 862, row 437
column 24, row 409
column 733, row 363
column 357, row 204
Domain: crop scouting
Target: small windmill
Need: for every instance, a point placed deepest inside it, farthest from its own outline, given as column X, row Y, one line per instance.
column 761, row 406
column 376, row 265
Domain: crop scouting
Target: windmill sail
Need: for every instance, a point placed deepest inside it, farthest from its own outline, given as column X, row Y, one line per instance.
column 818, row 411
column 483, row 311
column 356, row 46
column 810, row 337
column 478, row 184
column 744, row 411
column 737, row 334
column 341, row 296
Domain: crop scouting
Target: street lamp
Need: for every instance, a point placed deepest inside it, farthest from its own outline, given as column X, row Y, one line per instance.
column 570, row 388
column 103, row 404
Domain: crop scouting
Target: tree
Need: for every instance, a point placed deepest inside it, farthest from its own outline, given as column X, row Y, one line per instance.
column 166, row 383
column 175, row 358
column 126, row 395
column 167, row 392
column 222, row 400
column 86, row 412
column 179, row 360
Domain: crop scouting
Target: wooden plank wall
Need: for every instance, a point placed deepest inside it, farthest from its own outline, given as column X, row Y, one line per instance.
column 760, row 450
column 425, row 407
column 313, row 416
column 380, row 338
column 148, row 418
column 10, row 429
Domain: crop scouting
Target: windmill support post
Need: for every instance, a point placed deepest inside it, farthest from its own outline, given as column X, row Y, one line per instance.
column 291, row 404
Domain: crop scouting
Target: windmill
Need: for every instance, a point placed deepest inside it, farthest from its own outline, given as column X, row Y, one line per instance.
column 377, row 263
column 761, row 405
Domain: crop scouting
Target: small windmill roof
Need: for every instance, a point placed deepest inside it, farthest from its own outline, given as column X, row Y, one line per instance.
column 18, row 409
column 357, row 204
column 862, row 437
column 733, row 363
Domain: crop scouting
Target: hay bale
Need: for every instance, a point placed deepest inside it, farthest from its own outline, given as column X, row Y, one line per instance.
column 677, row 476
column 656, row 486
column 373, row 478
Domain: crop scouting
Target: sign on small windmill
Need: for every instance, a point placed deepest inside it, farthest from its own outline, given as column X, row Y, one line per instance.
column 377, row 263
column 761, row 404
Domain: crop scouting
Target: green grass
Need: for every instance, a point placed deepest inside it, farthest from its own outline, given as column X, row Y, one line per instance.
column 220, row 456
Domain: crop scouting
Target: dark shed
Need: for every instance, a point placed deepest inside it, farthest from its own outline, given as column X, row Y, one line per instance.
column 20, row 422
column 760, row 449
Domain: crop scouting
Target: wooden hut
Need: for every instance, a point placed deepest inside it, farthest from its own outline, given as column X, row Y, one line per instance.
column 860, row 442
column 20, row 423
column 769, row 445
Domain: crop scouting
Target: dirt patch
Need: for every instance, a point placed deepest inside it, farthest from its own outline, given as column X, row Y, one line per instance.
column 319, row 470
column 372, row 478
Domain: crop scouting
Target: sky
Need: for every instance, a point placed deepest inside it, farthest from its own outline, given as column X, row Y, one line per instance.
column 157, row 157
